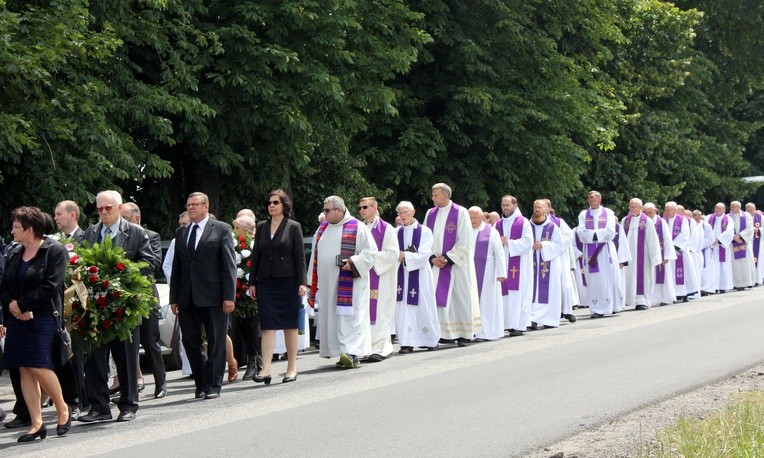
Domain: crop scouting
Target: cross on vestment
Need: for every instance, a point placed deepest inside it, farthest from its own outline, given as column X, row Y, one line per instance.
column 544, row 269
column 513, row 270
column 399, row 289
column 450, row 227
column 425, row 330
column 412, row 292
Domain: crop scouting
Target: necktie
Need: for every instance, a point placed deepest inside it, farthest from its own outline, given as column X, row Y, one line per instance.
column 106, row 234
column 192, row 239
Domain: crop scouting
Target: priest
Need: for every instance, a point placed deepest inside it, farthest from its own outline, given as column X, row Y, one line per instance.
column 721, row 256
column 664, row 292
column 756, row 245
column 683, row 266
column 517, row 290
column 742, row 248
column 491, row 271
column 548, row 247
column 645, row 248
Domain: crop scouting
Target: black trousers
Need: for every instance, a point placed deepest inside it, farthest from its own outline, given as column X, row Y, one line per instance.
column 208, row 370
column 149, row 339
column 125, row 356
column 249, row 332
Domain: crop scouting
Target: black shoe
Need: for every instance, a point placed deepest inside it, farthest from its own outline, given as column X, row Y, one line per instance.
column 212, row 395
column 113, row 391
column 433, row 348
column 42, row 433
column 516, row 333
column 462, row 342
column 570, row 317
column 94, row 416
column 199, row 394
column 251, row 368
column 640, row 307
column 63, row 429
column 126, row 415
column 18, row 423
column 262, row 379
column 375, row 358
column 534, row 325
column 405, row 350
column 160, row 394
column 290, row 379
column 597, row 315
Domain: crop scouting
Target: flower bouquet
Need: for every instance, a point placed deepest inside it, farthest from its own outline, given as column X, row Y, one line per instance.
column 108, row 296
column 245, row 306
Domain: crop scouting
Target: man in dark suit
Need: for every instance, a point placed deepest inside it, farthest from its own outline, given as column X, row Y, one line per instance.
column 135, row 241
column 202, row 291
column 67, row 217
column 149, row 329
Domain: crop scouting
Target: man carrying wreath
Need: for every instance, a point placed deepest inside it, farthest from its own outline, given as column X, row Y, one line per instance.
column 135, row 241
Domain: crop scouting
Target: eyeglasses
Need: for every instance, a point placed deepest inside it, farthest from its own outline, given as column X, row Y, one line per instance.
column 329, row 210
column 363, row 207
column 274, row 202
column 105, row 208
column 194, row 204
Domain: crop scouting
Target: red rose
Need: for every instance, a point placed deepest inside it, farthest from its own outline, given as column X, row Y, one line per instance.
column 94, row 279
column 120, row 266
column 243, row 245
column 238, row 295
column 105, row 324
column 244, row 286
column 120, row 312
column 93, row 269
column 242, row 238
column 73, row 260
column 249, row 263
column 116, row 295
column 105, row 283
column 101, row 301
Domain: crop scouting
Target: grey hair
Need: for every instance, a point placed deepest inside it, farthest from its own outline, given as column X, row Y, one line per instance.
column 134, row 209
column 670, row 204
column 475, row 208
column 336, row 201
column 404, row 204
column 443, row 187
column 117, row 197
column 636, row 199
column 649, row 206
column 246, row 222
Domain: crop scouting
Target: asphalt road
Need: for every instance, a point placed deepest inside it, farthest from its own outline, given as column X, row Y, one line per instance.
column 502, row 398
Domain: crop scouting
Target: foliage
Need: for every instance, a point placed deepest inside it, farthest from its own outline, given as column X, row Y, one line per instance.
column 118, row 295
column 245, row 306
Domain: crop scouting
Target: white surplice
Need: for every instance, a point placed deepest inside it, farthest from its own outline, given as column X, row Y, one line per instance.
column 547, row 264
column 461, row 316
column 651, row 258
column 664, row 293
column 742, row 272
column 517, row 303
column 683, row 245
column 385, row 265
column 491, row 304
column 570, row 295
column 417, row 325
column 624, row 258
column 343, row 333
column 600, row 285
column 722, row 280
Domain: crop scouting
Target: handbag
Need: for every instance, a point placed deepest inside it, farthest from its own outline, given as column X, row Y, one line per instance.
column 63, row 345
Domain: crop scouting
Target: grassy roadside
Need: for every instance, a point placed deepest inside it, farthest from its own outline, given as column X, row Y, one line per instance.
column 735, row 431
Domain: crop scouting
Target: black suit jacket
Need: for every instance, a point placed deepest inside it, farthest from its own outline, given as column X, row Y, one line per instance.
column 132, row 238
column 280, row 257
column 77, row 235
column 209, row 276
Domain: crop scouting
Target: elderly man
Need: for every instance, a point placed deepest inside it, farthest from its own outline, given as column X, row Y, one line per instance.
column 548, row 270
column 135, row 241
column 570, row 297
column 645, row 248
column 453, row 268
column 664, row 291
column 596, row 230
column 517, row 290
column 683, row 266
column 756, row 245
column 742, row 248
column 382, row 279
column 721, row 255
column 343, row 254
column 416, row 315
column 491, row 271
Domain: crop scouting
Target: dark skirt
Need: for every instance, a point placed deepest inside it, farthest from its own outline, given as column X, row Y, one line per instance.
column 278, row 303
column 30, row 343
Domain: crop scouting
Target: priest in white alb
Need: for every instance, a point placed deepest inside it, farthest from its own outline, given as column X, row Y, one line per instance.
column 639, row 274
column 416, row 315
column 721, row 253
column 756, row 245
column 343, row 255
column 570, row 295
column 664, row 292
column 382, row 280
column 517, row 290
column 742, row 248
column 707, row 268
column 491, row 271
column 548, row 270
column 453, row 268
column 685, row 284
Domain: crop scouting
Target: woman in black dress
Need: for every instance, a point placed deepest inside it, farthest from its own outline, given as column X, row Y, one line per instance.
column 278, row 279
column 31, row 291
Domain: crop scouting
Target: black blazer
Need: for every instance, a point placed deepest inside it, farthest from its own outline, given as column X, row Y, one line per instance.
column 209, row 276
column 132, row 238
column 43, row 284
column 280, row 257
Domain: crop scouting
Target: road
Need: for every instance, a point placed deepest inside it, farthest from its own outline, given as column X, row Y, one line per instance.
column 502, row 398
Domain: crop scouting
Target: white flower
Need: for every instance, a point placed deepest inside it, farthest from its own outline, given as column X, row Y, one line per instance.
column 238, row 259
column 239, row 272
column 245, row 253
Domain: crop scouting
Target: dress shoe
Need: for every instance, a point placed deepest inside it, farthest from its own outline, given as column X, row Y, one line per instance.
column 199, row 394
column 212, row 395
column 42, row 433
column 515, row 333
column 160, row 394
column 375, row 358
column 262, row 379
column 63, row 429
column 251, row 368
column 437, row 346
column 462, row 342
column 405, row 350
column 126, row 415
column 18, row 423
column 640, row 307
column 534, row 325
column 597, row 315
column 94, row 416
column 288, row 379
column 570, row 317
column 113, row 391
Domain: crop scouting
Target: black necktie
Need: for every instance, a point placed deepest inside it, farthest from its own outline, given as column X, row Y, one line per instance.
column 192, row 239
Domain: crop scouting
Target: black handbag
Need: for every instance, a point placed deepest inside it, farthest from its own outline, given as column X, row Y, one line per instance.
column 63, row 345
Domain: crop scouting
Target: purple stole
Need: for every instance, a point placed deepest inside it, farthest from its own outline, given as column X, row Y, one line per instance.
column 412, row 297
column 580, row 246
column 541, row 268
column 481, row 255
column 378, row 232
column 660, row 272
column 756, row 238
column 593, row 249
column 725, row 221
column 640, row 249
column 679, row 266
column 449, row 240
column 513, row 265
column 739, row 248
